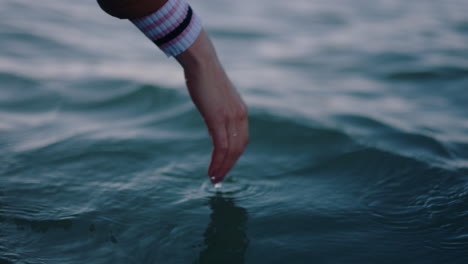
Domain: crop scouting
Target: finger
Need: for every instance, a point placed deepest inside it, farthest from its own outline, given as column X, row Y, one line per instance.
column 220, row 150
column 237, row 137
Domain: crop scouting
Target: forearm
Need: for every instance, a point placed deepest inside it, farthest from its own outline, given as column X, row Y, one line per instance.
column 201, row 55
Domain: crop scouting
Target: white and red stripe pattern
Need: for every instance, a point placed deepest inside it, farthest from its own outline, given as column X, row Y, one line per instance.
column 173, row 28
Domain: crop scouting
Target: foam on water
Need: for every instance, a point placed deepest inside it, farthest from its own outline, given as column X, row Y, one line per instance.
column 218, row 186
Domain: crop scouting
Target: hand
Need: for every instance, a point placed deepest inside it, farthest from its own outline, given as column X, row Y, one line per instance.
column 225, row 115
column 219, row 103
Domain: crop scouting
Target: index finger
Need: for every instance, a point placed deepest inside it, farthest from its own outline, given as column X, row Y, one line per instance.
column 238, row 138
column 220, row 151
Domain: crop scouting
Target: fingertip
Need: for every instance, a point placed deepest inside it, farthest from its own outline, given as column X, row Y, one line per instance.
column 215, row 179
column 216, row 176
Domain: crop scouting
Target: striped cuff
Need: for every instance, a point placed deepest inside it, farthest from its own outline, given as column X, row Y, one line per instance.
column 173, row 28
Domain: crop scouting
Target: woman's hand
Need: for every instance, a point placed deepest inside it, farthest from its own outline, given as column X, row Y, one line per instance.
column 219, row 103
column 216, row 98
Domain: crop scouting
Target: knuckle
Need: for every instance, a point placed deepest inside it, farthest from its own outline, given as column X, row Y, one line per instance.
column 220, row 119
column 241, row 113
column 244, row 108
column 223, row 147
column 238, row 113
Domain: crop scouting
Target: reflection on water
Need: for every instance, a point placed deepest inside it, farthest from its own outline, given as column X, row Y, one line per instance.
column 225, row 237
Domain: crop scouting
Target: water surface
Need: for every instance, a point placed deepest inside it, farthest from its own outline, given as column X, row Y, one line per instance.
column 359, row 136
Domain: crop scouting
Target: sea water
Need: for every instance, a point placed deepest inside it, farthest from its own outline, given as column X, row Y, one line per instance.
column 358, row 136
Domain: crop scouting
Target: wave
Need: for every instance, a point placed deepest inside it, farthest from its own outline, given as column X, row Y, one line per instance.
column 348, row 133
column 431, row 74
column 102, row 94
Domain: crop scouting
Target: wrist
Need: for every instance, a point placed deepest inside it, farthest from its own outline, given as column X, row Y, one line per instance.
column 200, row 56
column 173, row 27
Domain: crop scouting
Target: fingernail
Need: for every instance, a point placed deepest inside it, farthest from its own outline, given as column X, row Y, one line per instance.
column 214, row 179
column 212, row 175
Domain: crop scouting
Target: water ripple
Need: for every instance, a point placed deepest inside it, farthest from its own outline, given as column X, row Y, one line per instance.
column 241, row 189
column 357, row 124
column 402, row 203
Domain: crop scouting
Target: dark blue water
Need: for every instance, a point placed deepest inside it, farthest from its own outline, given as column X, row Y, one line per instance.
column 359, row 136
